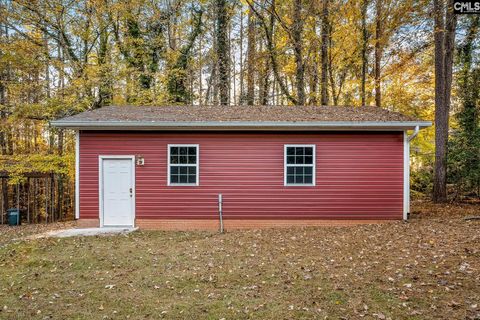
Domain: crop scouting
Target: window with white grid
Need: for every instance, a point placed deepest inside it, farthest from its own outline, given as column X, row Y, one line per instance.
column 183, row 164
column 299, row 167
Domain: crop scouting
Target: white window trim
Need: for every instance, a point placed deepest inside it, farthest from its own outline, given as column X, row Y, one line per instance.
column 314, row 166
column 197, row 165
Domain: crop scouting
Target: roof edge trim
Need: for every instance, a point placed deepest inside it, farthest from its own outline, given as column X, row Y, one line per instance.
column 238, row 125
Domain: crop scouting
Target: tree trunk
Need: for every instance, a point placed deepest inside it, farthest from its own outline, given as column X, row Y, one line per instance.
column 60, row 196
column 105, row 89
column 211, row 84
column 466, row 50
column 3, row 99
column 213, row 81
column 200, row 70
column 241, row 80
column 136, row 58
column 264, row 82
column 468, row 83
column 313, row 80
column 268, row 28
column 47, row 66
column 297, row 30
column 61, row 71
column 251, row 48
column 324, row 55
column 178, row 88
column 223, row 52
column 172, row 32
column 4, row 196
column 444, row 37
column 364, row 52
column 450, row 27
column 378, row 52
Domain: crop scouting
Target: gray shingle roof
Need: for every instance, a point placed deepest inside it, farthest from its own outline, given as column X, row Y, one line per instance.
column 228, row 115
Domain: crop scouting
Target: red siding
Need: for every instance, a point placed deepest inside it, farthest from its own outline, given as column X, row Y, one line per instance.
column 358, row 175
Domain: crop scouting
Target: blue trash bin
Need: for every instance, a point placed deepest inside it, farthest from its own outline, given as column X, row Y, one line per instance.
column 13, row 216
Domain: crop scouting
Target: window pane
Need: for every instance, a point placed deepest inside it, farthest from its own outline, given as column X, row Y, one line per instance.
column 183, row 174
column 299, row 155
column 299, row 165
column 308, row 179
column 299, row 151
column 298, row 179
column 183, row 155
column 299, row 174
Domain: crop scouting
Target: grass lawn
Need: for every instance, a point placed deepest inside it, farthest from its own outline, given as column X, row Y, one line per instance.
column 428, row 268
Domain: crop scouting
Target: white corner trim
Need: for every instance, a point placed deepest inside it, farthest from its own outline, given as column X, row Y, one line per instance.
column 406, row 170
column 406, row 175
column 100, row 185
column 314, row 167
column 77, row 174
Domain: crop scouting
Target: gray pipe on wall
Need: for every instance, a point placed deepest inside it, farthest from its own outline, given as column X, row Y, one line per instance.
column 220, row 202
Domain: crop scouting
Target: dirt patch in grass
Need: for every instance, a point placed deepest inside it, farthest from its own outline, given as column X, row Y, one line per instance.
column 423, row 269
column 10, row 234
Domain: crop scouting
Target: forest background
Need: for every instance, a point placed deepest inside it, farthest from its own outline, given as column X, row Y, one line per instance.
column 61, row 57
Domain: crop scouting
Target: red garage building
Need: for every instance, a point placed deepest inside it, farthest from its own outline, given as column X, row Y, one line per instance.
column 166, row 167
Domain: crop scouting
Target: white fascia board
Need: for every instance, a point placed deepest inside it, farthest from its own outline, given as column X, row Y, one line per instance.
column 241, row 125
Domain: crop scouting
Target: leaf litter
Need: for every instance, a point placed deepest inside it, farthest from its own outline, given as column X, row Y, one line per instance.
column 427, row 268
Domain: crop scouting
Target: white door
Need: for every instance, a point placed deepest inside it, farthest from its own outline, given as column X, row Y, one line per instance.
column 117, row 192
